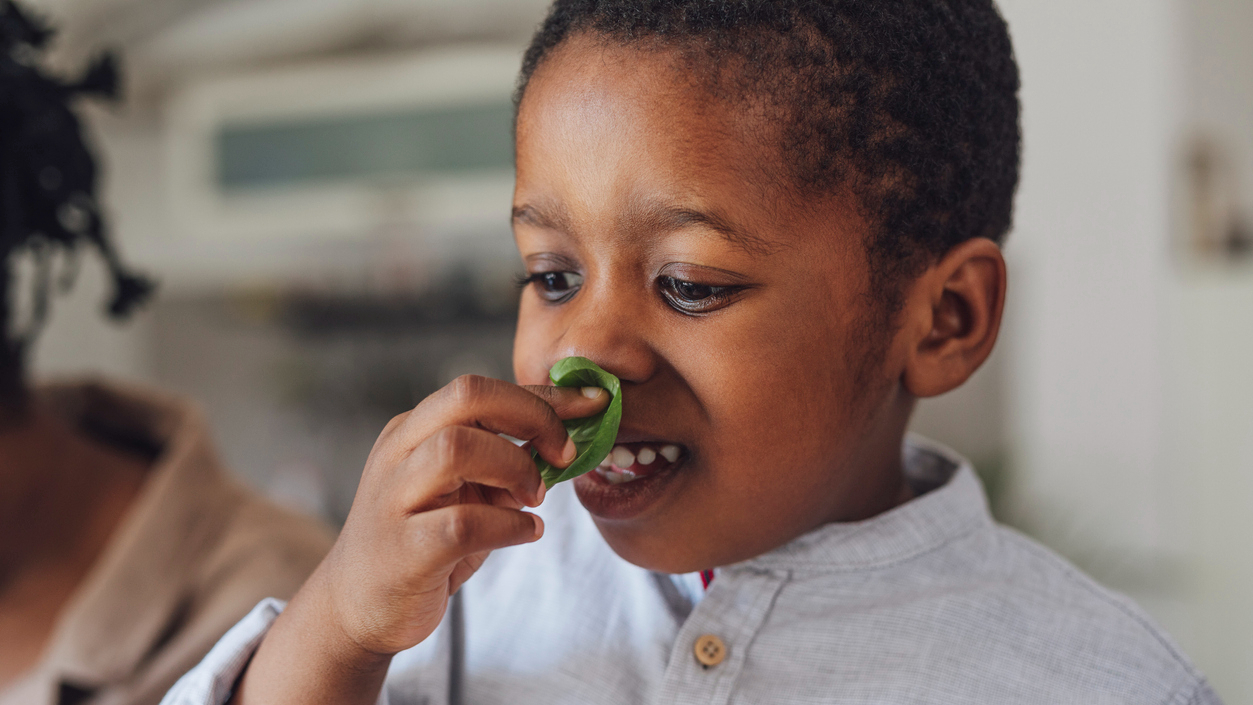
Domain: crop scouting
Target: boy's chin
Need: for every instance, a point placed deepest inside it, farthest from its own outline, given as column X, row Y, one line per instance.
column 652, row 551
column 622, row 512
column 629, row 517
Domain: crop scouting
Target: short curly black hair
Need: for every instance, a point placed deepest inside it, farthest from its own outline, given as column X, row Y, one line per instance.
column 911, row 105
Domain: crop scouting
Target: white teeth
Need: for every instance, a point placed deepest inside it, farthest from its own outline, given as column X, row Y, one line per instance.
column 669, row 452
column 621, row 457
column 614, row 468
column 616, row 478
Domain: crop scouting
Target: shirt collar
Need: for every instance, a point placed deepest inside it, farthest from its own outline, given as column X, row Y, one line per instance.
column 951, row 504
column 141, row 582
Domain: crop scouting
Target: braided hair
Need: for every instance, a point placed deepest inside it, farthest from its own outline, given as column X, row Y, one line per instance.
column 48, row 204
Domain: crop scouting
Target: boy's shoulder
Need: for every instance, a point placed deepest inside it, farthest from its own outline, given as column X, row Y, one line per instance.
column 1056, row 624
column 944, row 602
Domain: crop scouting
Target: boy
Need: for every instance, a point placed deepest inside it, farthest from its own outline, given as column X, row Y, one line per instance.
column 777, row 223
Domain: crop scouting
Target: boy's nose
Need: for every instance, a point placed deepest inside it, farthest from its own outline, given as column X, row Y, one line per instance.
column 613, row 334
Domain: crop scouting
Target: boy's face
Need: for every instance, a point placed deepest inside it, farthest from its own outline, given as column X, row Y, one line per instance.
column 736, row 315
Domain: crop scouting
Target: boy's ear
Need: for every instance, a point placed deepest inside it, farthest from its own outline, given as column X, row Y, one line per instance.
column 952, row 316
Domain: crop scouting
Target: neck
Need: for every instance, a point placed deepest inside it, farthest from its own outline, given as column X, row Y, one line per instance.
column 882, row 485
column 61, row 498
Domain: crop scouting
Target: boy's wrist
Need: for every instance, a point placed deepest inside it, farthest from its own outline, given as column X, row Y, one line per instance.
column 309, row 657
column 338, row 643
column 320, row 621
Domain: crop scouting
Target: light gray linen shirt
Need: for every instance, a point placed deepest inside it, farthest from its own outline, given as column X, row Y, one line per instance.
column 931, row 602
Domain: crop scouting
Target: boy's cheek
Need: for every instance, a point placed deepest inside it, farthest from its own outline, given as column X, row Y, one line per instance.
column 530, row 346
column 526, row 369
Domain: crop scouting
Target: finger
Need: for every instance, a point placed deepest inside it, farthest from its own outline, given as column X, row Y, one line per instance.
column 457, row 455
column 492, row 405
column 501, row 498
column 382, row 446
column 448, row 535
column 572, row 402
column 465, row 569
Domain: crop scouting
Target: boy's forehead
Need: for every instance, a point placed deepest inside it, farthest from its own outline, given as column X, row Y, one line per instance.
column 619, row 95
column 605, row 128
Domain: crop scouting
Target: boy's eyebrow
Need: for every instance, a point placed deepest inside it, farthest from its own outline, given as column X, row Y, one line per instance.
column 675, row 217
column 527, row 214
column 657, row 217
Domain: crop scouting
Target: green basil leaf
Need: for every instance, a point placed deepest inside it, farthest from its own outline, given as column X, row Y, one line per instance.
column 594, row 435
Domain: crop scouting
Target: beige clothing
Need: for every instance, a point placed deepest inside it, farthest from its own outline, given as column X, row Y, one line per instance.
column 193, row 555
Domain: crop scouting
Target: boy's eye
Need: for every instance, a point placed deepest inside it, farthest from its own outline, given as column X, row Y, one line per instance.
column 555, row 286
column 693, row 297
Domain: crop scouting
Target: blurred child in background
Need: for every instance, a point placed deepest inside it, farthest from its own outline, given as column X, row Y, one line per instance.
column 125, row 549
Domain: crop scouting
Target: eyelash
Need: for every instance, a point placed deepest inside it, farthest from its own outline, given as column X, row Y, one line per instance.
column 539, row 279
column 678, row 293
column 715, row 297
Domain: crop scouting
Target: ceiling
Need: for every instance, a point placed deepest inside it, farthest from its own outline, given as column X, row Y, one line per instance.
column 164, row 41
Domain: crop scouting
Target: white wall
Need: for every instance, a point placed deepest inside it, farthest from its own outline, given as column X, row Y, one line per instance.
column 1217, row 90
column 1210, row 461
column 1129, row 373
column 1087, row 257
column 1210, row 325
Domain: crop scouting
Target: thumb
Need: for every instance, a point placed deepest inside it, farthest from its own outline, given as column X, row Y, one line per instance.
column 572, row 402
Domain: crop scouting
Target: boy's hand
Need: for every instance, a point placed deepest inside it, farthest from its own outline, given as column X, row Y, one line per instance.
column 439, row 492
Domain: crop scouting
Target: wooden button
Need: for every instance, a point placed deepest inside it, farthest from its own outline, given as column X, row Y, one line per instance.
column 710, row 650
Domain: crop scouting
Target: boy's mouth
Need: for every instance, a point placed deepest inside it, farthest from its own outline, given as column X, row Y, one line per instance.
column 634, row 476
column 629, row 462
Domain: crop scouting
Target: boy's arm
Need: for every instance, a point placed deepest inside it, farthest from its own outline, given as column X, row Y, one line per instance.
column 212, row 681
column 299, row 656
column 440, row 490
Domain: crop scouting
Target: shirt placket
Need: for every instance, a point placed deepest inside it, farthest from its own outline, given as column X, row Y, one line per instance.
column 710, row 650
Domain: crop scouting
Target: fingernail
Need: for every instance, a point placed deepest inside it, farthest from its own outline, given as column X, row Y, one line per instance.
column 539, row 494
column 568, row 453
column 591, row 392
column 539, row 526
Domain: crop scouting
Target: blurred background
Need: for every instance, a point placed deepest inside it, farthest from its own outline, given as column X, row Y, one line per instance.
column 323, row 186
